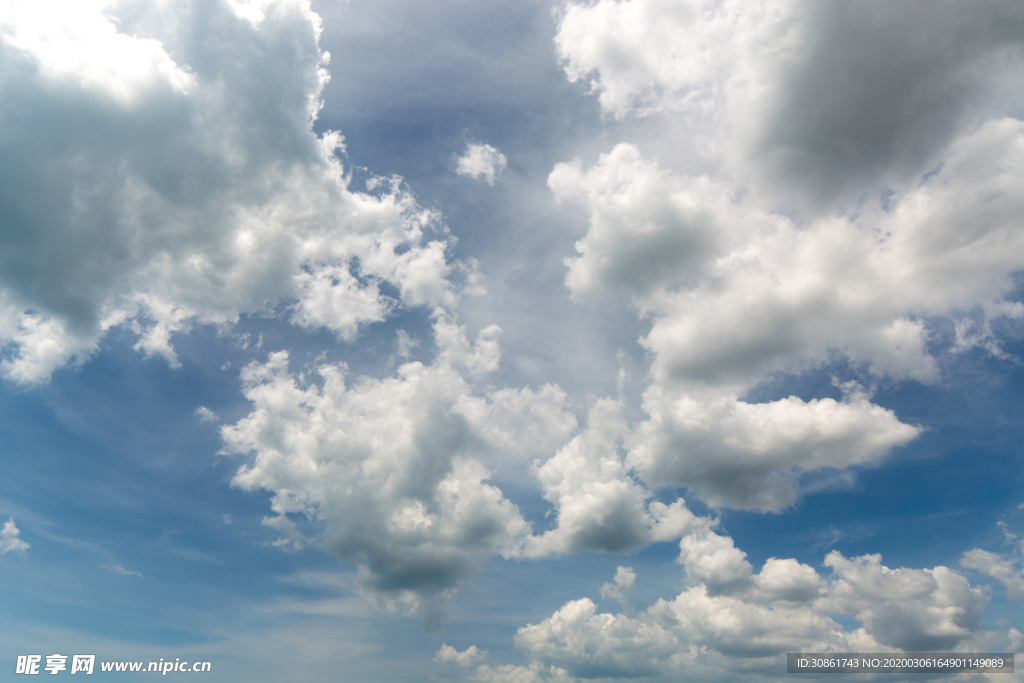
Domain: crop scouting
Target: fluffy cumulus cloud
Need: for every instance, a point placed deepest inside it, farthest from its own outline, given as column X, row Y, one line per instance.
column 10, row 541
column 731, row 621
column 751, row 455
column 1007, row 568
column 449, row 655
column 847, row 94
column 836, row 222
column 392, row 473
column 600, row 506
column 156, row 180
column 482, row 162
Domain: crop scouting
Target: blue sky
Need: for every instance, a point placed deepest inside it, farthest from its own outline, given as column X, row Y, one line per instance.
column 510, row 341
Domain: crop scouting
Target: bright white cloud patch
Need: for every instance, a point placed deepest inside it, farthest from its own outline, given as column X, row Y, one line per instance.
column 751, row 455
column 152, row 177
column 1007, row 568
column 735, row 290
column 391, row 472
column 9, row 539
column 481, row 161
column 777, row 188
column 731, row 619
column 449, row 655
column 600, row 506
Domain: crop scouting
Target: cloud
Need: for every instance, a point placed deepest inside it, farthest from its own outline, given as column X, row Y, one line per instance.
column 155, row 181
column 750, row 455
column 915, row 610
column 9, row 541
column 735, row 293
column 118, row 569
column 999, row 567
column 511, row 673
column 447, row 654
column 847, row 95
column 388, row 472
column 733, row 622
column 646, row 226
column 481, row 162
column 205, row 414
column 1005, row 568
column 600, row 506
column 624, row 582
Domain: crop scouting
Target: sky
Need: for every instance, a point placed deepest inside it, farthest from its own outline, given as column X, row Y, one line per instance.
column 523, row 341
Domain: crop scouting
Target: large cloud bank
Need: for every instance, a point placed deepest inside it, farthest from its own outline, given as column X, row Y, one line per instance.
column 860, row 180
column 161, row 170
column 855, row 173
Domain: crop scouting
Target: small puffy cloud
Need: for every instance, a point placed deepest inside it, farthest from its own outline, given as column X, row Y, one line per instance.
column 155, row 181
column 447, row 654
column 118, row 569
column 9, row 539
column 481, row 161
column 620, row 589
column 205, row 414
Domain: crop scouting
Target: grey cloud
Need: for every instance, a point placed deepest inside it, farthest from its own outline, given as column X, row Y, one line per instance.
column 182, row 182
column 872, row 92
column 813, row 104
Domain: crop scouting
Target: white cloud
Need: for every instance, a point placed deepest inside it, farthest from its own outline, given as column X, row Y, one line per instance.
column 999, row 567
column 600, row 506
column 205, row 414
column 82, row 47
column 846, row 95
column 389, row 471
column 511, row 673
column 620, row 589
column 118, row 569
column 646, row 226
column 596, row 645
column 751, row 455
column 734, row 623
column 916, row 610
column 1008, row 569
column 156, row 180
column 9, row 541
column 481, row 162
column 735, row 293
column 447, row 654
